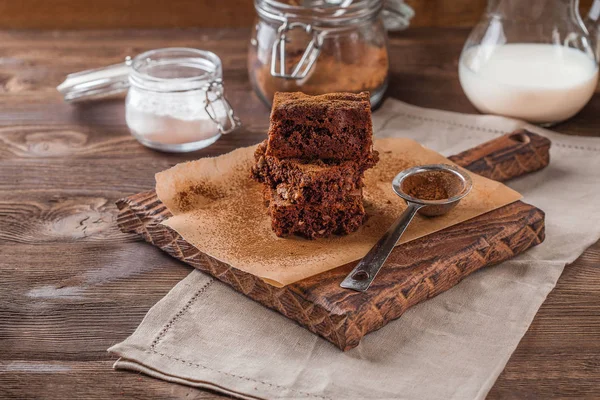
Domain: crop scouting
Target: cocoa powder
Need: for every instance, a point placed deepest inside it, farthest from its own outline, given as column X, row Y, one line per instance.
column 358, row 67
column 432, row 185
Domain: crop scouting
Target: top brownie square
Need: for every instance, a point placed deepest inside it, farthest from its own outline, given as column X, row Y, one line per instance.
column 335, row 126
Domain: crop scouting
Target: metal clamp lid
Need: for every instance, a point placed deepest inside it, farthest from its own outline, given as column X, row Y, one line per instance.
column 216, row 87
column 309, row 57
column 396, row 15
column 96, row 83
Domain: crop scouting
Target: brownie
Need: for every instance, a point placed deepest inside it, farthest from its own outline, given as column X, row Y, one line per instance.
column 334, row 126
column 313, row 162
column 315, row 220
column 301, row 181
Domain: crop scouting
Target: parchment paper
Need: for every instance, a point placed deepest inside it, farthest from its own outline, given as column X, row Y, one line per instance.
column 218, row 208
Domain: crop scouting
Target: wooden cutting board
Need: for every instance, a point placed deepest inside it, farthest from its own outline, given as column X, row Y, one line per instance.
column 414, row 272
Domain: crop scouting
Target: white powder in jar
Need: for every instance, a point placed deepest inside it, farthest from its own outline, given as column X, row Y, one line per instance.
column 172, row 118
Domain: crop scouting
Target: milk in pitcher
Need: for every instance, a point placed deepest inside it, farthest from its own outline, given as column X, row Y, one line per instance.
column 536, row 82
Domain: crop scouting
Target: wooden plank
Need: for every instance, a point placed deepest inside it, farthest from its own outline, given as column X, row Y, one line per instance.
column 112, row 14
column 563, row 339
column 559, row 356
column 82, row 380
column 66, row 301
column 423, row 72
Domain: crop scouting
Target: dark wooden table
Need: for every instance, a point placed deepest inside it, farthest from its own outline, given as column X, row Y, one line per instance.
column 71, row 284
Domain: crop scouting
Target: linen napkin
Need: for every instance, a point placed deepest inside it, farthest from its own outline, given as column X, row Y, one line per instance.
column 453, row 346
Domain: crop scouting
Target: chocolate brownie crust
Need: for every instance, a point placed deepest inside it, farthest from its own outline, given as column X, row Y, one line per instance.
column 315, row 220
column 333, row 126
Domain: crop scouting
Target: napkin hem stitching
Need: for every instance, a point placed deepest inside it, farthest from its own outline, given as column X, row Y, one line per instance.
column 187, row 305
column 573, row 146
column 178, row 315
column 442, row 121
column 193, row 364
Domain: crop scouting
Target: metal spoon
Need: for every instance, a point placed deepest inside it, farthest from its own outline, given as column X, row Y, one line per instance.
column 431, row 190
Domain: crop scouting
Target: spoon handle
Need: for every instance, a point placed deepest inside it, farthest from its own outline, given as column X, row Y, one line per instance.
column 363, row 274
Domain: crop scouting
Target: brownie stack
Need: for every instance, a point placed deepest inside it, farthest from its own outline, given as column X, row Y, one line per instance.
column 313, row 162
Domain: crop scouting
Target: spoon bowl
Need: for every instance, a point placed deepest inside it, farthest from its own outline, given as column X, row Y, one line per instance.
column 438, row 187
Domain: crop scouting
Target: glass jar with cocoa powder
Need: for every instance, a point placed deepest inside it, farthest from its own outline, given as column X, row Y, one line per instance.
column 319, row 46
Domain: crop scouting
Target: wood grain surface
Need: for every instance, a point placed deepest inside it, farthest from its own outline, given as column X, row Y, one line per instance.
column 414, row 271
column 71, row 284
column 112, row 14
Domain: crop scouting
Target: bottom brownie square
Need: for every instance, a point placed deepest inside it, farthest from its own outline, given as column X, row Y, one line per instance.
column 315, row 220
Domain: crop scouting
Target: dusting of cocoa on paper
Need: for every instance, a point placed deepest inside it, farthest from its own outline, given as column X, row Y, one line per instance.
column 219, row 209
column 184, row 199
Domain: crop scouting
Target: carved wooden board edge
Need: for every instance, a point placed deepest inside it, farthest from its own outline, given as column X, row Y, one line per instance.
column 516, row 228
column 512, row 230
column 133, row 218
column 509, row 156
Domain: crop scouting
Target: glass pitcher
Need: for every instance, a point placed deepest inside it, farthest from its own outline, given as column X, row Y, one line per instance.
column 592, row 22
column 533, row 60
